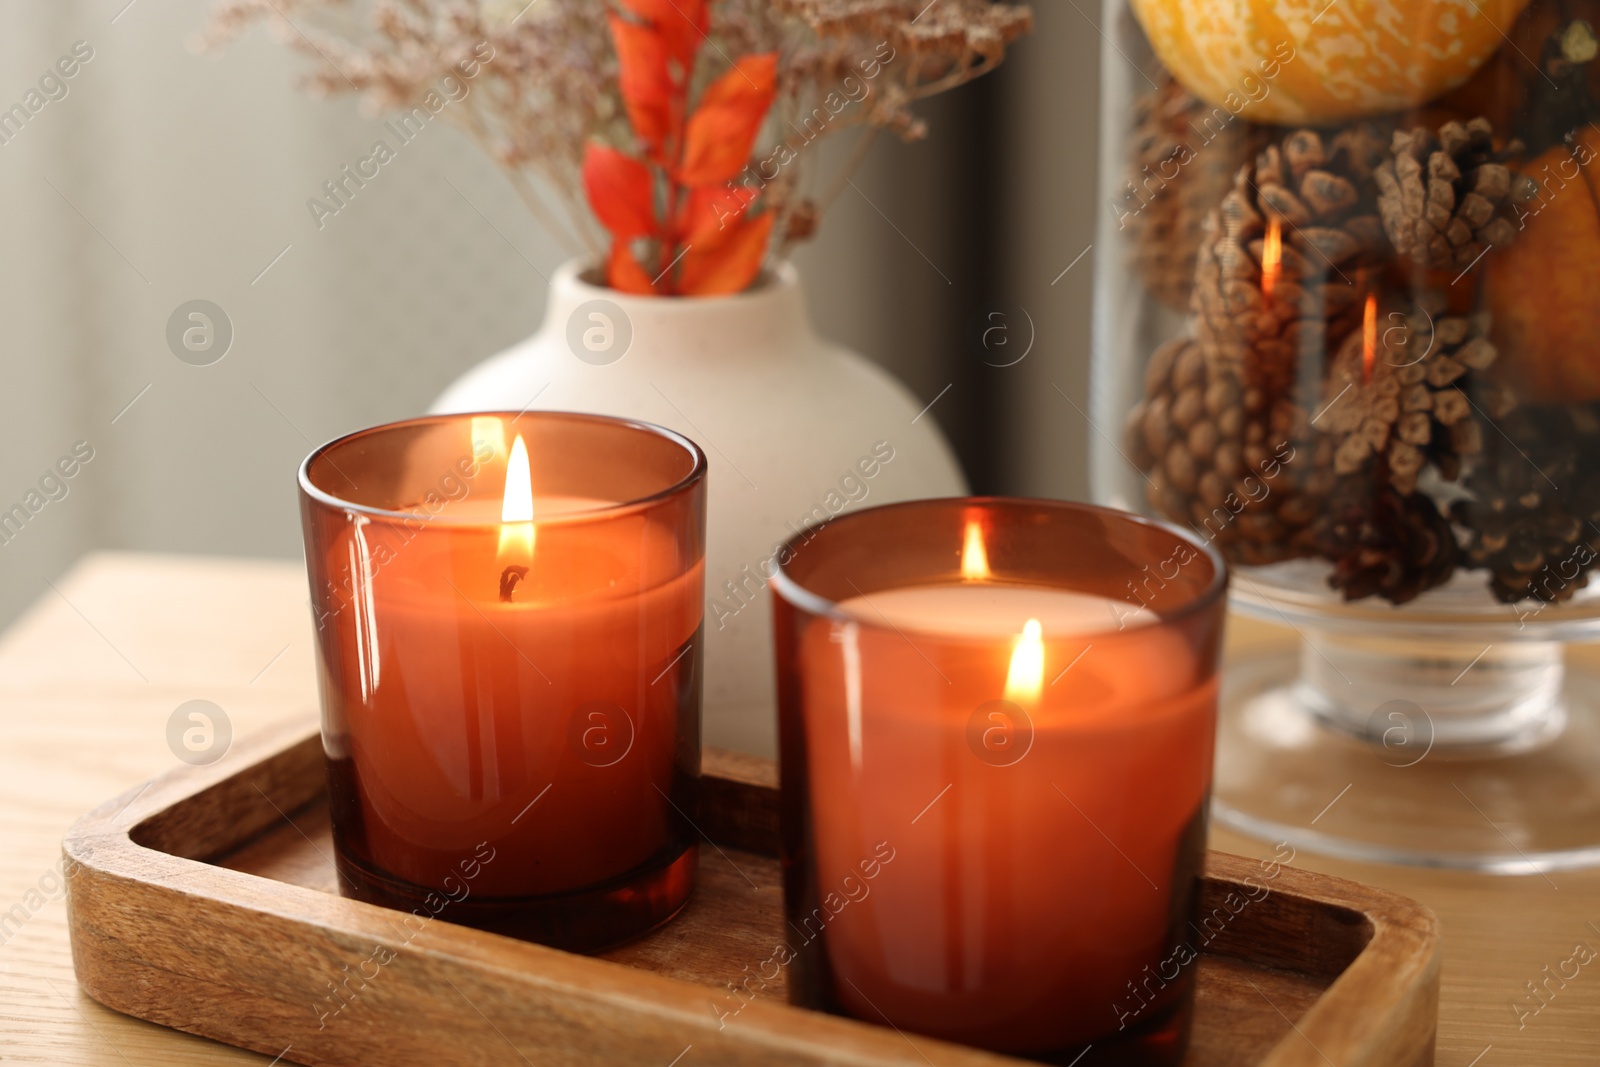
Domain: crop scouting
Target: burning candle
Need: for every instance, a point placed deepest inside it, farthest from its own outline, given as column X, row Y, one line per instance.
column 1369, row 336
column 996, row 724
column 508, row 615
column 1271, row 256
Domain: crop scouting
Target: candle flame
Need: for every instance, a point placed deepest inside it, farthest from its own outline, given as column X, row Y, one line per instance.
column 974, row 557
column 1271, row 257
column 516, row 508
column 1369, row 336
column 1025, row 678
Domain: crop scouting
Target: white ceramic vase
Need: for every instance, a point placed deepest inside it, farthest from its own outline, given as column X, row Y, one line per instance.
column 792, row 426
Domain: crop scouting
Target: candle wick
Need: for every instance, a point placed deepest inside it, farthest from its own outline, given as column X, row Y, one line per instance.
column 509, row 579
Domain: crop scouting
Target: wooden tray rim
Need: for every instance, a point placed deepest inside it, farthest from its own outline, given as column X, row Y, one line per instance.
column 1364, row 1016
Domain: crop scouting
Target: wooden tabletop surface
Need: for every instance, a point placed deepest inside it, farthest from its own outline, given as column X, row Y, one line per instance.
column 91, row 674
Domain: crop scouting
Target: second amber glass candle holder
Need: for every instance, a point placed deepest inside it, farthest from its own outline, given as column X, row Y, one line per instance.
column 996, row 721
column 508, row 612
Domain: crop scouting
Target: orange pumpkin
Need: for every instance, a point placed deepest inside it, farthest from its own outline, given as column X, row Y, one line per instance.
column 1541, row 289
column 1313, row 62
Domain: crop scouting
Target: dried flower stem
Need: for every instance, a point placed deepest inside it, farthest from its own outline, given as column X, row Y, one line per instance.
column 549, row 87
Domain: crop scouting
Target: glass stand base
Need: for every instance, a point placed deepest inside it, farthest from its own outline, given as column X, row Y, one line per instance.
column 1396, row 791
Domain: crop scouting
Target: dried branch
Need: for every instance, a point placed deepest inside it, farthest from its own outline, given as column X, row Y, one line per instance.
column 533, row 83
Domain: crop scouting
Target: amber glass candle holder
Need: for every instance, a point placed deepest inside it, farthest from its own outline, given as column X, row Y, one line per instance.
column 508, row 614
column 995, row 730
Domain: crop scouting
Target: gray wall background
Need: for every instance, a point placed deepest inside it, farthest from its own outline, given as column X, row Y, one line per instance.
column 163, row 177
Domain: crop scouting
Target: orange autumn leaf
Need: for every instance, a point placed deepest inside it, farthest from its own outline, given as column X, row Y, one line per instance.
column 708, row 229
column 730, row 266
column 709, row 214
column 646, row 84
column 624, row 274
column 723, row 129
column 621, row 191
column 682, row 23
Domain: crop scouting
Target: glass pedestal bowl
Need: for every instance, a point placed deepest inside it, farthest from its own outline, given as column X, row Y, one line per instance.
column 1441, row 733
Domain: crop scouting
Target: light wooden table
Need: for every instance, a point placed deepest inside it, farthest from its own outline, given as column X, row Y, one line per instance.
column 90, row 676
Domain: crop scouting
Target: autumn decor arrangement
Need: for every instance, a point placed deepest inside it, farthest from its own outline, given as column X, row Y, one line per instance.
column 676, row 149
column 1348, row 325
column 684, row 127
column 1379, row 274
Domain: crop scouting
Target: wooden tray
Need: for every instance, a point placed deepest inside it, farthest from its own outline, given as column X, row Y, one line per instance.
column 205, row 901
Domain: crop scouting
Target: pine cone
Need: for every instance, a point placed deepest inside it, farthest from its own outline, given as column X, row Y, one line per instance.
column 1180, row 166
column 1226, row 433
column 1412, row 403
column 1221, row 435
column 1250, row 485
column 1534, row 520
column 1387, row 543
column 1314, row 204
column 1447, row 197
